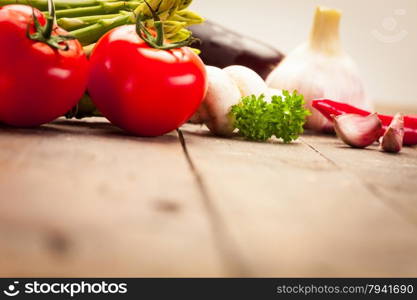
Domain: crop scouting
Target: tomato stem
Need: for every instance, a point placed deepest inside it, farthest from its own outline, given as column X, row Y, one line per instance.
column 158, row 41
column 50, row 20
column 43, row 34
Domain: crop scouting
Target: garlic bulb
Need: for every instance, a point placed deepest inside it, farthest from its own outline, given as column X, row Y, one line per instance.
column 321, row 69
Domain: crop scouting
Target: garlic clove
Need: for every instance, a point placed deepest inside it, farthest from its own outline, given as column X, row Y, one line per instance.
column 358, row 131
column 392, row 140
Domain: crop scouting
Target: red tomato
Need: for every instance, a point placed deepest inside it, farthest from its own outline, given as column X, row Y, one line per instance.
column 143, row 90
column 37, row 82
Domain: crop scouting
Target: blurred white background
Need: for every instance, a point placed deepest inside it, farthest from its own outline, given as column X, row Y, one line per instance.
column 379, row 34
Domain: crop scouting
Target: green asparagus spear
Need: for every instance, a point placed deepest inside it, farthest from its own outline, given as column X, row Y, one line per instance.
column 70, row 24
column 59, row 4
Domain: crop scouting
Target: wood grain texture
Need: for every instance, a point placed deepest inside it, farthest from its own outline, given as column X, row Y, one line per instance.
column 83, row 199
column 295, row 212
column 80, row 198
column 391, row 178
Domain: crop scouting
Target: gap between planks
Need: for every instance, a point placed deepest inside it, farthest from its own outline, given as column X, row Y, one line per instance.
column 228, row 250
column 294, row 213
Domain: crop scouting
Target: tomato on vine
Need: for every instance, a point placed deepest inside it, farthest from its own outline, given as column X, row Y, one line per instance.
column 43, row 71
column 143, row 85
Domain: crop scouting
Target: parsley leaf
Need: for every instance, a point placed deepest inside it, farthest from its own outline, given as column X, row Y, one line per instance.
column 259, row 120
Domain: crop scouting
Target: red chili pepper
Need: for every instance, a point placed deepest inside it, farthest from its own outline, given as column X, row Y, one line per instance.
column 329, row 108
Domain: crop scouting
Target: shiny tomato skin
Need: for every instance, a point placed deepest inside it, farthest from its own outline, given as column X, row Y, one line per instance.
column 37, row 83
column 145, row 91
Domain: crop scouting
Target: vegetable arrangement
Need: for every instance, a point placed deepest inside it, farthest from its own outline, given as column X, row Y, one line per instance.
column 142, row 84
column 89, row 20
column 359, row 128
column 221, row 47
column 238, row 98
column 329, row 109
column 143, row 77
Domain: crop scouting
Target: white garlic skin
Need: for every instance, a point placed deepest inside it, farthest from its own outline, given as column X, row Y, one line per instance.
column 321, row 69
column 316, row 76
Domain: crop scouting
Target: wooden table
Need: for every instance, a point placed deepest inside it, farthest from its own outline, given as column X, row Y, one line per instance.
column 81, row 198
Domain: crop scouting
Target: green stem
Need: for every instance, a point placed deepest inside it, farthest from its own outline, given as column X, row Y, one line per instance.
column 92, row 33
column 80, row 12
column 158, row 41
column 43, row 33
column 160, row 36
column 59, row 4
column 51, row 19
column 71, row 24
column 101, row 9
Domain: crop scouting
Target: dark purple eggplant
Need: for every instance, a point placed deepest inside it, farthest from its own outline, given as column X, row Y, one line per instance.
column 221, row 47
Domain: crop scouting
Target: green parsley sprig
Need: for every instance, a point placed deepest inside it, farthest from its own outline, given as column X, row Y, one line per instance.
column 283, row 117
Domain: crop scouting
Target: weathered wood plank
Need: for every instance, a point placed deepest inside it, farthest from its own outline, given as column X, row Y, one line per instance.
column 83, row 199
column 391, row 178
column 293, row 212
